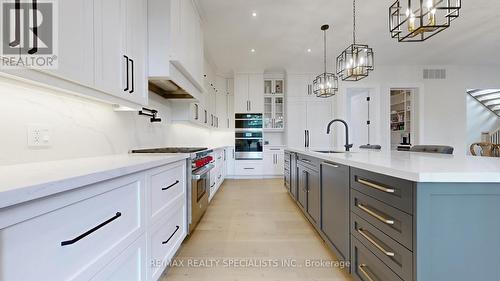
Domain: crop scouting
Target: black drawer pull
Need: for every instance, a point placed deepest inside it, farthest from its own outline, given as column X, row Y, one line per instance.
column 73, row 241
column 172, row 235
column 168, row 187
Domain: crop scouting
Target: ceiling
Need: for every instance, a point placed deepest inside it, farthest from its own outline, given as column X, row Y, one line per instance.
column 284, row 29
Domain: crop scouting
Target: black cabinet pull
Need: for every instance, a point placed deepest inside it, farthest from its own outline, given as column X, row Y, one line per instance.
column 168, row 187
column 171, row 235
column 73, row 241
column 133, row 86
column 126, row 61
column 34, row 50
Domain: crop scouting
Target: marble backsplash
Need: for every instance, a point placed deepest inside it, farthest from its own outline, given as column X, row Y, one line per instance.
column 85, row 128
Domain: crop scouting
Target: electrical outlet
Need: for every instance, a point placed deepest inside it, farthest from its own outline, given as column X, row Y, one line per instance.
column 38, row 136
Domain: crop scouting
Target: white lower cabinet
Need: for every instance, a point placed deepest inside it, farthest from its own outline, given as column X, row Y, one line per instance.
column 99, row 231
column 274, row 161
column 128, row 266
column 81, row 236
column 166, row 237
column 252, row 168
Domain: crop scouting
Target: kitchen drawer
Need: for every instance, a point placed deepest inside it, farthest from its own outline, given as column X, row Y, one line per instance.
column 393, row 254
column 395, row 223
column 392, row 191
column 128, row 266
column 74, row 241
column 166, row 237
column 366, row 266
column 167, row 183
column 274, row 149
column 249, row 168
column 308, row 161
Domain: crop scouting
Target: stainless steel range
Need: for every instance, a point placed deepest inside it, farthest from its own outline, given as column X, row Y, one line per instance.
column 198, row 190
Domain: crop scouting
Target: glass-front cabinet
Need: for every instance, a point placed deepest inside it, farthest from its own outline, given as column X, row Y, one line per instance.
column 274, row 86
column 274, row 113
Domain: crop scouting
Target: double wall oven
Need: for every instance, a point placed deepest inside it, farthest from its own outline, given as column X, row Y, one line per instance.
column 248, row 136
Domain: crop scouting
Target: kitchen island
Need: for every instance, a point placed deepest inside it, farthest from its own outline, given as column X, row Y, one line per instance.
column 402, row 215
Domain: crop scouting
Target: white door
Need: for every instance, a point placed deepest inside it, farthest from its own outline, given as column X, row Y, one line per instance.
column 241, row 94
column 76, row 42
column 319, row 114
column 296, row 123
column 110, row 61
column 280, row 163
column 256, row 93
column 357, row 115
column 136, row 46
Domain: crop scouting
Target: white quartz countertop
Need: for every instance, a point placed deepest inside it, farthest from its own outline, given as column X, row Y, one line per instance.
column 417, row 167
column 25, row 182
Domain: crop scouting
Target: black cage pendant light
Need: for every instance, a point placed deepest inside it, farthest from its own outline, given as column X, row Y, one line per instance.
column 357, row 60
column 326, row 84
column 419, row 20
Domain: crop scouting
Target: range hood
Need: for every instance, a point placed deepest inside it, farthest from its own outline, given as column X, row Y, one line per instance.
column 168, row 89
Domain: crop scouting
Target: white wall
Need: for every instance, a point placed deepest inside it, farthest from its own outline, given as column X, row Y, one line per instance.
column 442, row 104
column 479, row 119
column 85, row 128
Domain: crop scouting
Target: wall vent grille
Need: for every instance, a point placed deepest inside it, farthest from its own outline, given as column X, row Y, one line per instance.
column 434, row 74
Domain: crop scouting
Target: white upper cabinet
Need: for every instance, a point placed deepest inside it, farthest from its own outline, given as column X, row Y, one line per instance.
column 248, row 93
column 299, row 85
column 256, row 93
column 102, row 52
column 120, row 46
column 75, row 33
column 241, row 93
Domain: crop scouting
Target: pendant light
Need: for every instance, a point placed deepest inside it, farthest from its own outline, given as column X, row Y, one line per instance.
column 326, row 84
column 416, row 21
column 356, row 61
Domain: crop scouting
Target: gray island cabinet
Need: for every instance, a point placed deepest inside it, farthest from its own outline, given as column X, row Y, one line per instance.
column 393, row 227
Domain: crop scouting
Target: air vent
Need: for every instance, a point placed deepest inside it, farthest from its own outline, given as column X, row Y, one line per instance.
column 434, row 74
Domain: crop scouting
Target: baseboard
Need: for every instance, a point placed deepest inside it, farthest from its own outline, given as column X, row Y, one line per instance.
column 235, row 177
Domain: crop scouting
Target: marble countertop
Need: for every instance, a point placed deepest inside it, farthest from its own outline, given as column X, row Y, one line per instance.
column 25, row 182
column 417, row 167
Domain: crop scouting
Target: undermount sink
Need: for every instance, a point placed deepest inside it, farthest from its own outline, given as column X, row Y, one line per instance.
column 329, row 151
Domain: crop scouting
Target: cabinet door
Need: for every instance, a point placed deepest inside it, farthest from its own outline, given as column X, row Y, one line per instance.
column 74, row 19
column 319, row 114
column 296, row 123
column 136, row 46
column 230, row 161
column 241, row 102
column 268, row 112
column 335, row 206
column 110, row 63
column 313, row 196
column 298, row 85
column 255, row 93
column 279, row 166
column 302, row 186
column 279, row 113
column 269, row 163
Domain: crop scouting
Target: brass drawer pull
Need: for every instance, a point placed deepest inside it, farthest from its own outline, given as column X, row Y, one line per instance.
column 374, row 243
column 375, row 186
column 375, row 215
column 363, row 269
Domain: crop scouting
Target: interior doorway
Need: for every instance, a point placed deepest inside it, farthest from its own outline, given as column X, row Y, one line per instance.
column 403, row 118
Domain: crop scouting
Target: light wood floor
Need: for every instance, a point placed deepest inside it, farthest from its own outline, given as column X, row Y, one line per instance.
column 254, row 222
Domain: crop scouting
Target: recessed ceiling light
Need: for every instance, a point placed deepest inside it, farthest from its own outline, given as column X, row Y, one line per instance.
column 252, row 50
column 309, row 50
column 254, row 14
